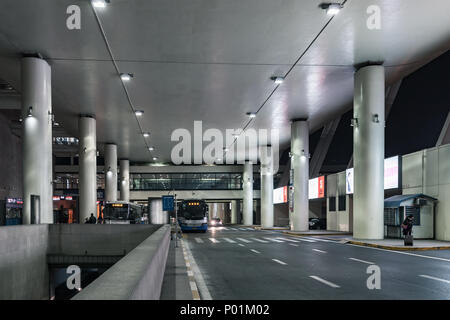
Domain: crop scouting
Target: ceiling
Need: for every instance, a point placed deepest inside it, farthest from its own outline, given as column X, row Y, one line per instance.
column 212, row 60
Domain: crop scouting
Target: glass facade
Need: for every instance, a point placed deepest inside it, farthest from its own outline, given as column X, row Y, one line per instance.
column 186, row 181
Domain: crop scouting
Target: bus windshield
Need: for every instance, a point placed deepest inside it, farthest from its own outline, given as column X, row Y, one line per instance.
column 115, row 212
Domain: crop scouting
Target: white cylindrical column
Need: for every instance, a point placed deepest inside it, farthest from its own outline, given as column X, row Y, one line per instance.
column 233, row 211
column 300, row 167
column 247, row 201
column 266, row 157
column 157, row 215
column 368, row 150
column 125, row 180
column 37, row 140
column 110, row 172
column 87, row 186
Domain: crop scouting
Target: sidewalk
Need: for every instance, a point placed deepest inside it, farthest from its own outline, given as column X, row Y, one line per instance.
column 176, row 284
column 397, row 244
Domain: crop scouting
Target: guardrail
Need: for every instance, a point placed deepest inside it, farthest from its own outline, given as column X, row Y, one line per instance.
column 137, row 276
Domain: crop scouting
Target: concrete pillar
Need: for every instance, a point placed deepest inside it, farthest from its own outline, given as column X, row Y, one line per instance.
column 234, row 212
column 300, row 167
column 157, row 215
column 37, row 139
column 87, row 186
column 247, row 186
column 125, row 180
column 266, row 156
column 368, row 149
column 110, row 172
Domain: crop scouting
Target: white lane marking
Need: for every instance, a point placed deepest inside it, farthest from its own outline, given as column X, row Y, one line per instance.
column 433, row 278
column 328, row 283
column 287, row 239
column 250, row 229
column 241, row 244
column 400, row 252
column 229, row 240
column 243, row 240
column 232, row 228
column 224, row 228
column 293, row 244
column 318, row 239
column 199, row 240
column 259, row 240
column 278, row 261
column 255, row 251
column 321, row 251
column 358, row 260
column 204, row 292
column 273, row 239
column 214, row 240
column 305, row 239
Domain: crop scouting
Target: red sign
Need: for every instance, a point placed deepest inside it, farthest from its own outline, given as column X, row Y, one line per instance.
column 321, row 186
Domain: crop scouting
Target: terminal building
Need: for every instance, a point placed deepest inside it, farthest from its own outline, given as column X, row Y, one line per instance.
column 295, row 119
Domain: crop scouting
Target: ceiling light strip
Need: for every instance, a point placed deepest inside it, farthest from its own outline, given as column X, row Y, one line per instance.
column 287, row 73
column 102, row 31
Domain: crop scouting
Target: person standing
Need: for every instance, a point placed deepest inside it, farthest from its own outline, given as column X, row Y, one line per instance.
column 407, row 225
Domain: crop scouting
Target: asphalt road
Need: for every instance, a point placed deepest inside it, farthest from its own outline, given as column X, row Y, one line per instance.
column 242, row 263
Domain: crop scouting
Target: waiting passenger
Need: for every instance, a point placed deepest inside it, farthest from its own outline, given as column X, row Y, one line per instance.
column 86, row 220
column 407, row 225
column 100, row 220
column 92, row 219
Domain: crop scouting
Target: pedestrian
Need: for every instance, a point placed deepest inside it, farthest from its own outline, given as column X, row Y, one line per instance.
column 100, row 220
column 86, row 220
column 407, row 225
column 92, row 219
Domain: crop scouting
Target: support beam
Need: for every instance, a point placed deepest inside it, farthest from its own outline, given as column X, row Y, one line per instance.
column 37, row 141
column 88, row 167
column 266, row 156
column 110, row 172
column 322, row 147
column 247, row 201
column 233, row 211
column 444, row 137
column 300, row 167
column 368, row 148
column 125, row 180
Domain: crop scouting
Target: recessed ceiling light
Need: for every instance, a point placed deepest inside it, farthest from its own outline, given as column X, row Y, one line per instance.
column 126, row 76
column 332, row 8
column 278, row 80
column 226, row 149
column 99, row 3
column 146, row 134
column 151, row 148
column 56, row 124
column 251, row 114
column 155, row 158
column 139, row 113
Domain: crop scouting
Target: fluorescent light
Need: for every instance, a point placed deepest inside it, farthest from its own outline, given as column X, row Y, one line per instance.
column 151, row 148
column 139, row 113
column 99, row 3
column 251, row 114
column 155, row 158
column 333, row 9
column 278, row 80
column 126, row 76
column 146, row 134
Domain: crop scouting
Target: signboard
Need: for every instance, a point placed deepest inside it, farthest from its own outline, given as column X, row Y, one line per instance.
column 280, row 195
column 316, row 188
column 168, row 203
column 391, row 175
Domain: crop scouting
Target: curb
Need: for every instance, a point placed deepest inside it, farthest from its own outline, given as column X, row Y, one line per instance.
column 365, row 244
column 315, row 235
column 192, row 283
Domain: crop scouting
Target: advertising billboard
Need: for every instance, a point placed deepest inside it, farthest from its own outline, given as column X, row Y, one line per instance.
column 316, row 188
column 280, row 195
column 391, row 175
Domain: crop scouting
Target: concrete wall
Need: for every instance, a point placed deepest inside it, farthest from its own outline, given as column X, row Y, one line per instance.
column 23, row 264
column 339, row 220
column 428, row 172
column 10, row 162
column 137, row 276
column 96, row 239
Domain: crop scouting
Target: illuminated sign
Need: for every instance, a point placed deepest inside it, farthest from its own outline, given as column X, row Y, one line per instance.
column 391, row 174
column 118, row 205
column 280, row 195
column 316, row 188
